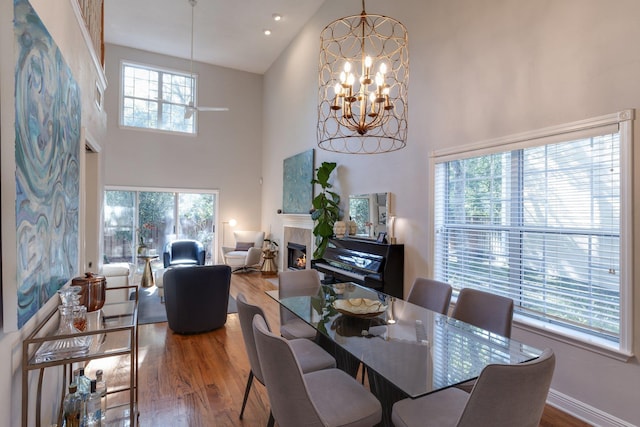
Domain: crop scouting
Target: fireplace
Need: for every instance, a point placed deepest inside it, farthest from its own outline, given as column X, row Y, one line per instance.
column 296, row 256
column 297, row 236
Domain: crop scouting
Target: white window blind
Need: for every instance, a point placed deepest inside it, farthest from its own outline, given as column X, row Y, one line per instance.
column 538, row 222
column 156, row 99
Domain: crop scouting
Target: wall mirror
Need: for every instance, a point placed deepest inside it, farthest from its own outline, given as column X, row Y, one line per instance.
column 370, row 212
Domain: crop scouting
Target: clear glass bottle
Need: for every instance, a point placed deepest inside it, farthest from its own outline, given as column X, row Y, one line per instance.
column 92, row 416
column 101, row 387
column 72, row 407
column 84, row 385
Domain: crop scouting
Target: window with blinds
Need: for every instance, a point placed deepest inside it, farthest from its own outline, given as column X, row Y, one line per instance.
column 539, row 221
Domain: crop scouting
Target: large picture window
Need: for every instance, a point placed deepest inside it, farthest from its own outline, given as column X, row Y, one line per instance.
column 540, row 219
column 157, row 99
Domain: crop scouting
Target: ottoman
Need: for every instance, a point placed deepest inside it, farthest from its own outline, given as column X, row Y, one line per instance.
column 160, row 282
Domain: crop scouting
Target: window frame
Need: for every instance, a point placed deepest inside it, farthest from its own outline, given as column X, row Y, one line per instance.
column 621, row 122
column 161, row 71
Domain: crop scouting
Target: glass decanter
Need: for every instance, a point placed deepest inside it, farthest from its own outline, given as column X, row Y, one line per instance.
column 65, row 347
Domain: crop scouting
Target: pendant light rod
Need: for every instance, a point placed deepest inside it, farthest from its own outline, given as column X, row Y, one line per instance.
column 193, row 7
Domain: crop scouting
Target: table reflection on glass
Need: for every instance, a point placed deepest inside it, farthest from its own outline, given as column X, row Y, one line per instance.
column 408, row 351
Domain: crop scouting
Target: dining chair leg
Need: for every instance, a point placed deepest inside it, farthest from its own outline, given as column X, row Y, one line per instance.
column 246, row 392
column 271, row 421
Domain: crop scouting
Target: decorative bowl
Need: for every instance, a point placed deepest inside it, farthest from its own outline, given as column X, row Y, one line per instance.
column 359, row 307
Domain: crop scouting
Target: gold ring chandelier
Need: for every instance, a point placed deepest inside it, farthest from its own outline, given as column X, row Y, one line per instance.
column 364, row 75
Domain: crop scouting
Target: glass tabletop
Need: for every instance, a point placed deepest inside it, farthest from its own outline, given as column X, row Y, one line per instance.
column 417, row 350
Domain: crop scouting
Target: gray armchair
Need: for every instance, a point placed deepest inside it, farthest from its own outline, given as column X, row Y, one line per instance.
column 196, row 297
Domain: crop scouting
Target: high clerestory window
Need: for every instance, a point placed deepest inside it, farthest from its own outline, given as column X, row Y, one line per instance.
column 154, row 98
column 544, row 218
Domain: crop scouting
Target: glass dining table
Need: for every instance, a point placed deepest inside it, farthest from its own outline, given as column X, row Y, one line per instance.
column 407, row 350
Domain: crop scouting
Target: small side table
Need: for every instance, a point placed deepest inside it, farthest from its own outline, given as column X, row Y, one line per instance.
column 269, row 267
column 147, row 280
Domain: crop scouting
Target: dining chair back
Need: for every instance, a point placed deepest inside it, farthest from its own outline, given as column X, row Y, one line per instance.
column 504, row 396
column 485, row 310
column 310, row 356
column 431, row 294
column 293, row 283
column 325, row 398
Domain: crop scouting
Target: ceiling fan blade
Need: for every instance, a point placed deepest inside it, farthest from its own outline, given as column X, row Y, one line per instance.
column 188, row 110
column 212, row 108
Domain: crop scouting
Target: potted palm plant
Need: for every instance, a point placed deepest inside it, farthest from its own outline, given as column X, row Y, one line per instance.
column 326, row 208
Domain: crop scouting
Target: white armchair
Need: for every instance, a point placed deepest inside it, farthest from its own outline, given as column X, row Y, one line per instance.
column 247, row 253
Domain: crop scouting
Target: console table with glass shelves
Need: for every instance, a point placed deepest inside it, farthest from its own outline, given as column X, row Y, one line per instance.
column 111, row 331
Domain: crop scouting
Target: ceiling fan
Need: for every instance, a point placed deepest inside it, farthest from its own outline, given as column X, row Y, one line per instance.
column 190, row 107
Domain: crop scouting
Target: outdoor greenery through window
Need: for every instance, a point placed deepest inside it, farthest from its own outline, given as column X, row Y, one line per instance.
column 152, row 218
column 538, row 222
column 156, row 99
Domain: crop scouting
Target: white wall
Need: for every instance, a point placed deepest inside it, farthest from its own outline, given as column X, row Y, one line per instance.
column 225, row 155
column 60, row 20
column 478, row 70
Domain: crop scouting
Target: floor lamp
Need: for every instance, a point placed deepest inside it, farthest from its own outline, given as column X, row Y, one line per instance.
column 231, row 223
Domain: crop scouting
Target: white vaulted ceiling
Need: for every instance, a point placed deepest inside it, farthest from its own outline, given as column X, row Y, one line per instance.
column 228, row 33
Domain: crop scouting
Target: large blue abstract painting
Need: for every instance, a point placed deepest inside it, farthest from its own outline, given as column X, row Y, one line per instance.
column 297, row 190
column 47, row 126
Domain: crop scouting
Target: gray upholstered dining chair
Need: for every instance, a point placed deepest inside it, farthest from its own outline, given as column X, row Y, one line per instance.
column 326, row 398
column 293, row 283
column 310, row 356
column 485, row 310
column 430, row 294
column 504, row 396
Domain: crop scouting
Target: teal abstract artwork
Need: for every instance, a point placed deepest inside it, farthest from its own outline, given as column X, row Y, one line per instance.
column 297, row 190
column 47, row 128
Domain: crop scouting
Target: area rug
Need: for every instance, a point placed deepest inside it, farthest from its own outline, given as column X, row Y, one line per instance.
column 151, row 310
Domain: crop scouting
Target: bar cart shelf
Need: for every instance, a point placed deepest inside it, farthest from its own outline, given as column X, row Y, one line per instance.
column 111, row 331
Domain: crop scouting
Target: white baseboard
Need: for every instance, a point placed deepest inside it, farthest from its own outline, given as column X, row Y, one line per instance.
column 583, row 411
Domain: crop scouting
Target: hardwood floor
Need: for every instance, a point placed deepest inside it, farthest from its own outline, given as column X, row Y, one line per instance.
column 199, row 380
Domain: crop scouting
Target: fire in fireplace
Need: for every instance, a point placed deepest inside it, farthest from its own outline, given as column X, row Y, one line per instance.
column 296, row 256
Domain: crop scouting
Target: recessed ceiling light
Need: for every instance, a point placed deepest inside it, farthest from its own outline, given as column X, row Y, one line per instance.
column 267, row 32
column 277, row 17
